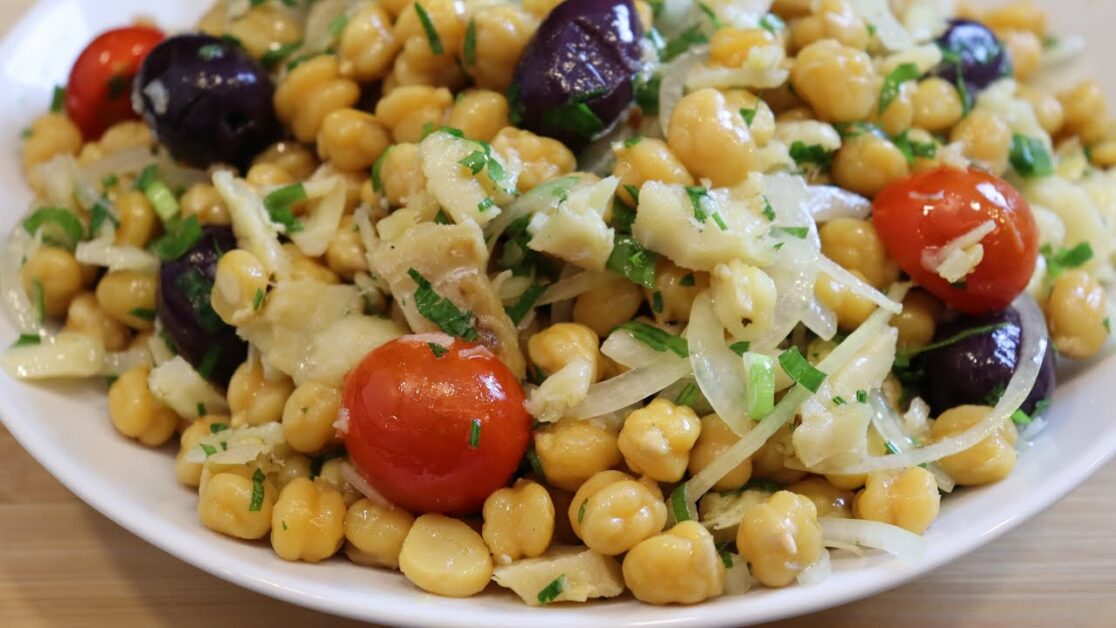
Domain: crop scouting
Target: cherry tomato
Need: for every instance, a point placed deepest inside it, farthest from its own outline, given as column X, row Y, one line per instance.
column 99, row 92
column 435, row 428
column 929, row 210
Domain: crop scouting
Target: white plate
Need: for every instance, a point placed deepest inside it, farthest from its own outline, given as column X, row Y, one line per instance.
column 65, row 427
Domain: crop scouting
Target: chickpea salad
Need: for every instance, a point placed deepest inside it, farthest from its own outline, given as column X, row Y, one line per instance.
column 571, row 298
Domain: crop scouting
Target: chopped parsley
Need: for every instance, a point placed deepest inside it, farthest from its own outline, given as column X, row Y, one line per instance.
column 377, row 168
column 741, row 347
column 657, row 302
column 280, row 204
column 903, row 358
column 749, row 115
column 277, row 54
column 525, row 303
column 201, row 410
column 656, row 338
column 441, row 218
column 862, row 396
column 913, row 149
column 27, row 340
column 257, row 299
column 550, row 592
column 631, row 260
column 470, row 47
column 951, row 57
column 474, row 433
column 711, row 14
column 337, row 25
column 486, row 204
column 856, row 129
column 210, row 450
column 794, row 232
column 891, row 448
column 98, row 214
column 894, row 81
column 216, row 428
column 257, row 491
column 815, row 154
column 209, row 361
column 800, row 370
column 437, row 349
column 687, row 280
column 646, row 93
column 768, row 210
column 1019, row 417
column 536, row 465
column 179, row 235
column 622, row 216
column 440, row 310
column 632, row 191
column 839, row 401
column 678, row 505
column 690, row 37
column 1029, row 157
column 632, row 141
column 1058, row 262
column 723, row 552
column 431, row 32
column 143, row 313
column 575, row 116
column 581, row 510
column 687, row 396
column 209, row 52
column 772, row 23
column 697, row 193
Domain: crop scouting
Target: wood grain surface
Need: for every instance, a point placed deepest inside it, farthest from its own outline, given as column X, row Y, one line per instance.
column 63, row 564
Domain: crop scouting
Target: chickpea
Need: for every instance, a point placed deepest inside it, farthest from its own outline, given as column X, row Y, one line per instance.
column 986, row 139
column 571, row 451
column 253, row 398
column 612, row 512
column 937, row 105
column 1077, row 314
column 298, row 160
column 290, row 467
column 85, row 316
column 125, row 135
column 54, row 276
column 792, row 8
column 189, row 473
column 648, row 159
column 543, row 158
column 715, row 439
column 656, row 440
column 267, row 175
column 239, row 287
column 129, row 297
column 231, row 504
column 307, row 522
column 1047, row 108
column 780, row 538
column 866, row 164
column 555, row 347
column 331, row 476
column 136, row 413
column 990, row 460
column 308, row 417
column 518, row 522
column 411, row 110
column 839, row 83
column 855, row 245
column 833, row 19
column 731, row 46
column 829, row 500
column 769, row 463
column 908, row 499
column 679, row 566
column 712, row 139
column 446, row 557
column 501, row 33
column 138, row 220
column 345, row 255
column 375, row 533
column 918, row 320
column 1086, row 111
column 368, row 43
column 351, row 139
column 303, row 267
column 1104, row 154
column 851, row 309
column 401, row 174
column 310, row 92
column 265, row 27
column 50, row 135
column 447, row 20
column 203, row 201
column 677, row 287
column 602, row 309
column 899, row 114
column 1025, row 50
column 479, row 113
column 1017, row 15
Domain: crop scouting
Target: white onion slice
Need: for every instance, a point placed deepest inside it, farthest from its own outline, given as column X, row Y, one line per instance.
column 574, row 285
column 118, row 362
column 817, row 572
column 354, row 478
column 1031, row 353
column 820, row 319
column 888, row 423
column 889, row 30
column 673, row 85
column 856, row 285
column 105, row 252
column 631, row 387
column 621, row 347
column 906, row 546
column 828, row 202
column 67, row 355
column 718, row 371
column 16, row 301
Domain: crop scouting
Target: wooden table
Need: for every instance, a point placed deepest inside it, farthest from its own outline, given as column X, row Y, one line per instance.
column 63, row 564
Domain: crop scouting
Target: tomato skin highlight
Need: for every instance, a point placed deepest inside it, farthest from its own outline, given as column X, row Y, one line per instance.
column 411, row 423
column 930, row 209
column 99, row 90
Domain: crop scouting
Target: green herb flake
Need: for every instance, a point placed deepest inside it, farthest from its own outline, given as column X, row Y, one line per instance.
column 749, row 115
column 794, row 232
column 1107, row 324
column 912, row 149
column 687, row 396
column 839, row 401
column 143, row 313
column 486, row 204
column 377, row 168
column 209, row 52
column 258, row 299
column 59, row 227
column 814, row 154
column 440, row 310
column 474, row 433
column 574, row 116
column 726, row 556
column 209, row 451
column 525, row 303
column 338, row 24
column 894, row 81
column 656, row 338
column 741, row 347
column 631, row 260
column 871, row 30
column 98, row 215
column 689, row 38
column 109, row 181
column 697, row 193
column 632, row 141
column 768, row 210
column 180, row 235
column 645, row 92
column 279, row 53
column 581, row 510
column 1019, row 417
column 39, row 298
column 217, row 428
column 284, row 523
column 1058, row 262
column 1029, row 157
column 632, row 191
column 58, row 99
column 550, row 592
column 146, row 177
column 891, row 448
column 431, row 32
column 280, row 206
column 862, row 396
column 678, row 505
column 711, row 14
column 257, row 491
column 657, row 302
column 470, row 48
column 800, row 370
column 209, row 361
column 27, row 340
column 902, row 359
column 201, row 410
column 437, row 349
column 772, row 23
column 441, row 218
column 687, row 280
column 536, row 465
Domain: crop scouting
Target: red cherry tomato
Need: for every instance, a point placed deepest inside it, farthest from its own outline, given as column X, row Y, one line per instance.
column 99, row 92
column 930, row 209
column 435, row 433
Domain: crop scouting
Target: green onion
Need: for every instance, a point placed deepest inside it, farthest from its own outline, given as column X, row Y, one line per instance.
column 162, row 199
column 143, row 313
column 709, row 13
column 98, row 214
column 1029, row 157
column 550, row 592
column 894, row 80
column 633, row 191
column 810, row 154
column 801, row 370
column 525, row 303
column 581, row 510
column 678, row 504
column 759, row 397
column 631, row 260
column 27, row 340
column 60, row 227
column 257, row 491
column 276, row 55
column 632, row 141
column 856, row 129
column 440, row 310
column 209, row 52
column 720, row 222
column 216, row 428
column 1057, row 263
column 280, row 203
column 862, row 396
column 474, row 161
column 903, row 358
column 201, row 410
column 58, row 99
column 257, row 299
column 839, row 401
column 766, row 486
column 723, row 552
column 180, row 235
column 210, row 450
column 441, row 218
column 687, row 396
column 431, row 32
column 749, row 115
column 486, row 204
column 645, row 92
column 740, row 348
column 1040, row 407
column 1019, row 417
column 474, row 433
column 471, row 43
column 656, row 338
column 437, row 349
column 622, row 217
column 912, row 149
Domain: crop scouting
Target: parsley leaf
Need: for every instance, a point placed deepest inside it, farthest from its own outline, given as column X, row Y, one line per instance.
column 440, row 310
column 656, row 338
column 815, row 154
column 525, row 303
column 257, row 491
column 913, row 149
column 894, row 80
column 431, row 33
column 630, row 259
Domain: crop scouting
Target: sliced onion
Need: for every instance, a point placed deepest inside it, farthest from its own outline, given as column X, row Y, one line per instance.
column 67, row 355
column 574, row 285
column 354, row 478
column 719, row 371
column 368, row 237
column 106, row 253
column 16, row 301
column 794, row 273
column 133, row 160
column 856, row 285
column 820, row 319
column 817, row 572
column 829, row 202
column 118, row 362
column 1064, row 50
column 890, row 32
column 891, row 427
column 738, row 580
column 621, row 347
column 631, row 387
column 906, row 546
column 1031, row 353
column 673, row 85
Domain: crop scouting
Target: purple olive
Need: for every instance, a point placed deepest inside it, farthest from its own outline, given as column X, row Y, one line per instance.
column 198, row 334
column 574, row 78
column 207, row 101
column 976, row 369
column 974, row 54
